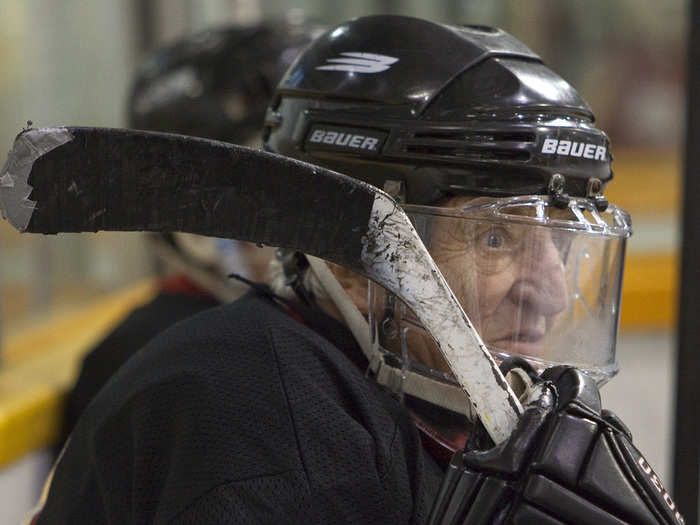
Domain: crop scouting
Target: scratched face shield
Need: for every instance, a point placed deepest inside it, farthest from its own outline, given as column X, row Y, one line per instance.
column 537, row 281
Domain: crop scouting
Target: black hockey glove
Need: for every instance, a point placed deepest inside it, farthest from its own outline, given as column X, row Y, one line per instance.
column 567, row 461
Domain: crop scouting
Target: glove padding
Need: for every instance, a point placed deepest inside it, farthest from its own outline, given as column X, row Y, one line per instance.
column 567, row 461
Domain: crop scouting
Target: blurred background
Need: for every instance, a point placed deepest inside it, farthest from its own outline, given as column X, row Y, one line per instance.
column 70, row 62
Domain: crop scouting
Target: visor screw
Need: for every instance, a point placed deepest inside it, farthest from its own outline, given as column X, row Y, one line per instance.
column 594, row 187
column 556, row 190
column 601, row 203
column 556, row 184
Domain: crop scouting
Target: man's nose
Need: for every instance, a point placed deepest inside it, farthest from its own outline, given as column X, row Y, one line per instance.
column 541, row 283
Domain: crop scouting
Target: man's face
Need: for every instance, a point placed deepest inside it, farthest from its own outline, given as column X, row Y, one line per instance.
column 536, row 281
column 509, row 277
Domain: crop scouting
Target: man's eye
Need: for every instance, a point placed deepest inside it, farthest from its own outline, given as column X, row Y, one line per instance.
column 494, row 240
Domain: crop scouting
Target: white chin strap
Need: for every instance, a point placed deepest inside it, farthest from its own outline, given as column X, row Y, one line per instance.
column 423, row 387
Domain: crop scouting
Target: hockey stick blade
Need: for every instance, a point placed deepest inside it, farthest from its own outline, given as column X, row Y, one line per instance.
column 77, row 179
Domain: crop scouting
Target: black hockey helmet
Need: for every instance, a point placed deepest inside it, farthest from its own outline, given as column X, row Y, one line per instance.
column 497, row 161
column 216, row 83
column 443, row 110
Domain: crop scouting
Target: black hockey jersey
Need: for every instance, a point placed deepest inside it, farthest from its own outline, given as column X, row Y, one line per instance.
column 243, row 415
column 139, row 327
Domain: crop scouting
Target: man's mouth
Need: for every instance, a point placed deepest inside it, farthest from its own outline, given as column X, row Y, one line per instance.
column 525, row 342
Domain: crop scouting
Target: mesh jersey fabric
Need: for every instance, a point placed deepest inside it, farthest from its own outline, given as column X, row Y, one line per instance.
column 139, row 327
column 243, row 415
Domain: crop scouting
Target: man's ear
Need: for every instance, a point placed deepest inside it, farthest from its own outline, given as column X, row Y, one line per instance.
column 354, row 285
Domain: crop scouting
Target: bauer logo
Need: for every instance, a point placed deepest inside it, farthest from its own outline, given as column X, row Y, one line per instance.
column 359, row 63
column 570, row 148
column 367, row 141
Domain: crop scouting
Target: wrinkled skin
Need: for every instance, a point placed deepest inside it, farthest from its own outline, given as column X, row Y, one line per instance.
column 517, row 270
column 510, row 281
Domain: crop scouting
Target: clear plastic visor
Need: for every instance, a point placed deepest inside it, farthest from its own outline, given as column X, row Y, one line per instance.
column 536, row 281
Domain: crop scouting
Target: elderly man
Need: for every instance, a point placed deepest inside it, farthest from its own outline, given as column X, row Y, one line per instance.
column 269, row 410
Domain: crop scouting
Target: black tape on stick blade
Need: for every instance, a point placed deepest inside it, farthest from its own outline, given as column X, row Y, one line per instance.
column 110, row 179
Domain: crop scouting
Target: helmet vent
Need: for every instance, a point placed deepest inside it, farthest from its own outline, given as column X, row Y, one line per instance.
column 495, row 136
column 462, row 152
column 481, row 145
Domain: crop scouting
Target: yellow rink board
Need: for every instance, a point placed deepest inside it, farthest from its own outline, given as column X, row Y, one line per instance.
column 650, row 292
column 42, row 365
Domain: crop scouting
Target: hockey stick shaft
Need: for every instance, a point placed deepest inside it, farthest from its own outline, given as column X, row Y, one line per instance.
column 91, row 179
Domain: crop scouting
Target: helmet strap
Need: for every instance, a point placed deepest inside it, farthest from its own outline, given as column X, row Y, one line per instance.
column 450, row 397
